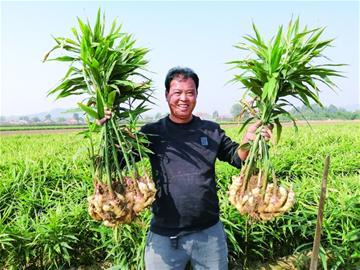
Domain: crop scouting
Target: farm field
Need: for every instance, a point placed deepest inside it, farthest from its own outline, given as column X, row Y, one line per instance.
column 18, row 130
column 39, row 127
column 46, row 179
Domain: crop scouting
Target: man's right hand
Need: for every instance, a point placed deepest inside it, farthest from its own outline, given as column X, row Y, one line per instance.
column 107, row 116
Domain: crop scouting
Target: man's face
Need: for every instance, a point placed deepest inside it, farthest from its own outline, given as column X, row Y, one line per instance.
column 181, row 99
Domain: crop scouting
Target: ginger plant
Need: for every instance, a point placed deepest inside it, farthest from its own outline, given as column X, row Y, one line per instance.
column 107, row 70
column 288, row 66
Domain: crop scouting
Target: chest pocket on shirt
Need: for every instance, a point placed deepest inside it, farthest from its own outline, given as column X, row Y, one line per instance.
column 204, row 141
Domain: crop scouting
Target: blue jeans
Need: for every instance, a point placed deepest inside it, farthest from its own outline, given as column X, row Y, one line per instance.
column 206, row 249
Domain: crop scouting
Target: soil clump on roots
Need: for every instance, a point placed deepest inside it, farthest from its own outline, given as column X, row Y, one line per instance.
column 257, row 202
column 123, row 203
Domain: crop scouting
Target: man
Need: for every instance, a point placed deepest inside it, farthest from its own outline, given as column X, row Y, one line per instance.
column 185, row 225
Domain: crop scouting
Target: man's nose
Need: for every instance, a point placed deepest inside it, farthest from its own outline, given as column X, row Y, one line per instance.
column 183, row 96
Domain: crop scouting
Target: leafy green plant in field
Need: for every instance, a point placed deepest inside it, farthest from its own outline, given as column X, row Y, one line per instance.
column 45, row 182
column 42, row 196
column 293, row 159
column 340, row 248
column 39, row 127
column 107, row 69
column 277, row 70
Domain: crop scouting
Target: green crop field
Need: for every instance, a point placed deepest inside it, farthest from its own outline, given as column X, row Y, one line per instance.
column 39, row 127
column 46, row 179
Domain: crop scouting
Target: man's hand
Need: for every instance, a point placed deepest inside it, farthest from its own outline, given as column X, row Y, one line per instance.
column 251, row 132
column 250, row 136
column 107, row 117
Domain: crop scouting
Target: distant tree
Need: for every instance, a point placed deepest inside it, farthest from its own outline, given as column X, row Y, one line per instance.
column 319, row 113
column 76, row 117
column 355, row 115
column 35, row 119
column 2, row 118
column 332, row 109
column 61, row 120
column 48, row 117
column 81, row 120
column 24, row 118
column 215, row 115
column 235, row 109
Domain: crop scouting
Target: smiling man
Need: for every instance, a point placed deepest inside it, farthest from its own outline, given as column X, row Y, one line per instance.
column 185, row 226
column 181, row 93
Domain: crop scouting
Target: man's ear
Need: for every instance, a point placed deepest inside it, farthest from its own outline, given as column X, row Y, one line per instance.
column 167, row 95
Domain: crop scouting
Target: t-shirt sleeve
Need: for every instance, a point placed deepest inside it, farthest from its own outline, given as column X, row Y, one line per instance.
column 228, row 150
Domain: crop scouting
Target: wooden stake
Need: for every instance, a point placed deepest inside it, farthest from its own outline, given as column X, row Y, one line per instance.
column 316, row 245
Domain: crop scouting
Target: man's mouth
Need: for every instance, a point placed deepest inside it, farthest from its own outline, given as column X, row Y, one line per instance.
column 183, row 106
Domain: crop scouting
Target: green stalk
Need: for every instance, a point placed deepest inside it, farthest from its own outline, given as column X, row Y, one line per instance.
column 120, row 143
column 120, row 140
column 135, row 167
column 107, row 163
column 138, row 146
column 137, row 140
column 133, row 126
column 250, row 164
column 246, row 240
column 99, row 166
column 132, row 158
column 91, row 149
column 114, row 153
column 267, row 165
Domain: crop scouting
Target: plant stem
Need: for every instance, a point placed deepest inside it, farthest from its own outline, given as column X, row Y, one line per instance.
column 115, row 157
column 120, row 141
column 246, row 240
column 91, row 149
column 107, row 163
column 316, row 246
column 250, row 164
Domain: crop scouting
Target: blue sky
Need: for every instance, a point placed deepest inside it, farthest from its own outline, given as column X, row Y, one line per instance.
column 199, row 35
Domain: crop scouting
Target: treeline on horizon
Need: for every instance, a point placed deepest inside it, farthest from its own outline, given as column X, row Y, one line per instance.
column 324, row 113
column 303, row 113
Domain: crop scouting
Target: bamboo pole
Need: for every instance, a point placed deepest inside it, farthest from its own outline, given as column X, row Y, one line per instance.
column 316, row 245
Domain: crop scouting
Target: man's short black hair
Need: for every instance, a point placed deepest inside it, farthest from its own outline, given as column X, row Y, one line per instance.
column 185, row 72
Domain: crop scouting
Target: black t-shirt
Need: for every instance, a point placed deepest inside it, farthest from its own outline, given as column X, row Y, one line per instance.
column 183, row 169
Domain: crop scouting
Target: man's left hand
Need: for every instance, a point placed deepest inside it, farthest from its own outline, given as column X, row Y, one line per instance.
column 250, row 134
